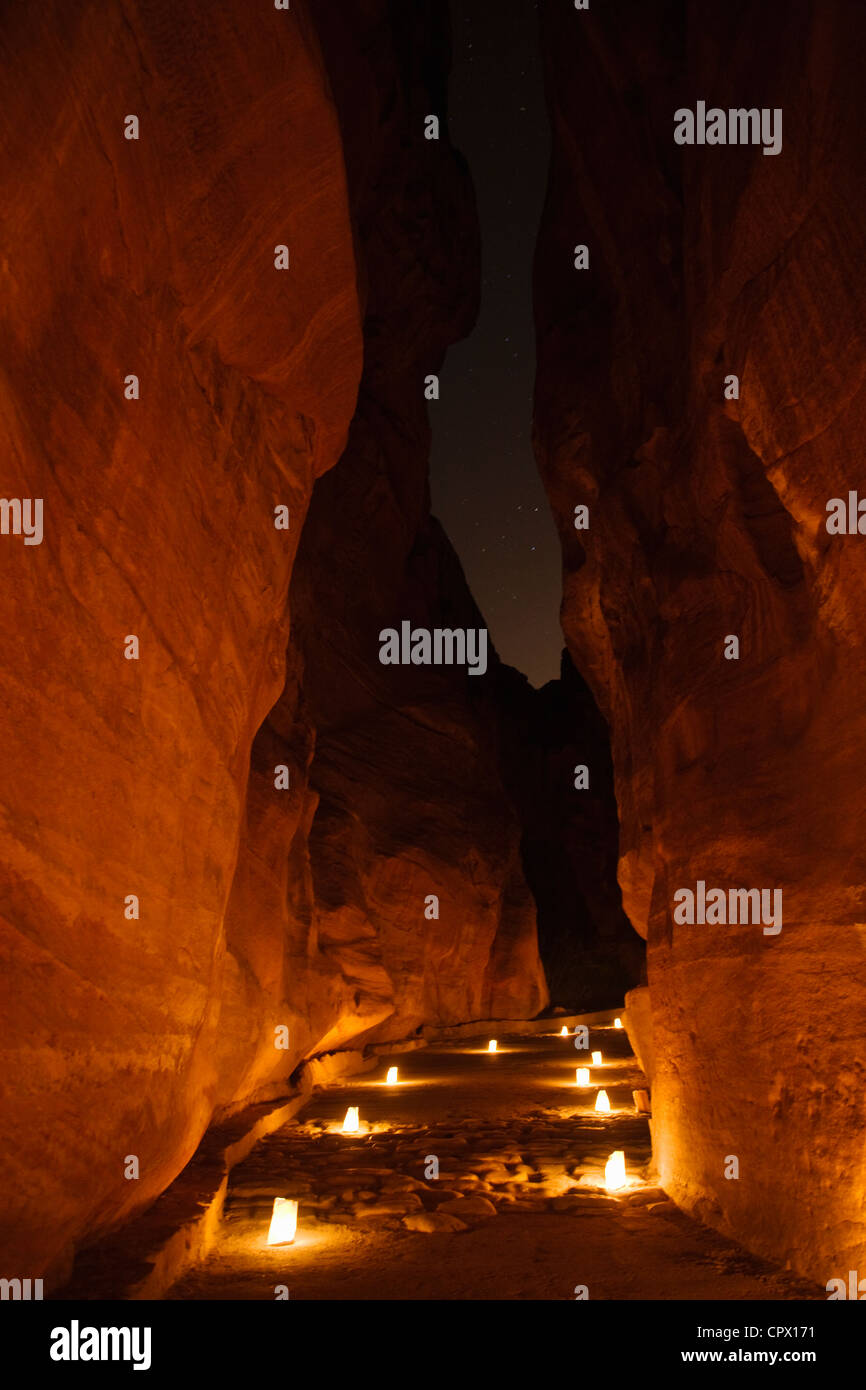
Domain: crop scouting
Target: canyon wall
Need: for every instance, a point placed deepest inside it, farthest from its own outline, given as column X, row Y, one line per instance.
column 396, row 795
column 164, row 906
column 591, row 955
column 707, row 520
column 122, row 776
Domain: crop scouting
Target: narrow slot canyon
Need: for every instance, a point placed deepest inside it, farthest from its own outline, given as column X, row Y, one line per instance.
column 430, row 552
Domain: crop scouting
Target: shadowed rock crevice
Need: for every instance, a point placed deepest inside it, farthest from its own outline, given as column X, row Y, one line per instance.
column 569, row 838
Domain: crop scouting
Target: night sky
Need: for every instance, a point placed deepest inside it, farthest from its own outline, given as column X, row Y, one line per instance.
column 485, row 486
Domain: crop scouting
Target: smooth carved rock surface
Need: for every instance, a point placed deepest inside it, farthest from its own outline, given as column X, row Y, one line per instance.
column 707, row 519
column 258, row 909
column 153, row 257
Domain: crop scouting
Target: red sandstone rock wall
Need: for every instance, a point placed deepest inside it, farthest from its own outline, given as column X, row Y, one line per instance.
column 397, row 791
column 153, row 257
column 155, row 777
column 707, row 519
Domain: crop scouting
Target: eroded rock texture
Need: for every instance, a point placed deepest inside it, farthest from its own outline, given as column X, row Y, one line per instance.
column 707, row 519
column 155, row 777
column 153, row 257
column 396, row 787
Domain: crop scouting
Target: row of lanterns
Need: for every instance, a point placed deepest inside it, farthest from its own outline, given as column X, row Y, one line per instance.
column 614, row 1171
column 284, row 1218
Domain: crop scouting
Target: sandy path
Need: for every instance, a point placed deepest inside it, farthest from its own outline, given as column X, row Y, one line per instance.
column 511, row 1128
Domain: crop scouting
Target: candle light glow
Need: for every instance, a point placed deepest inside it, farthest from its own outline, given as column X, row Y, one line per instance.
column 614, row 1171
column 284, row 1222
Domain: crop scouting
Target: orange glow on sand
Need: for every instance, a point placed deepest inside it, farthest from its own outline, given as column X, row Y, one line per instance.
column 284, row 1222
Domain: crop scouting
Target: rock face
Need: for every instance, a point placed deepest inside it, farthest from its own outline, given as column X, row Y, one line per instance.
column 707, row 520
column 569, row 835
column 152, row 257
column 396, row 791
column 154, row 776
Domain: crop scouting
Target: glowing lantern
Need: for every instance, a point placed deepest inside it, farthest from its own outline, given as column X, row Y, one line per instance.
column 563, row 1032
column 351, row 1124
column 284, row 1222
column 491, row 1046
column 582, row 1076
column 602, row 1103
column 391, row 1078
column 596, row 1059
column 614, row 1171
column 617, row 1023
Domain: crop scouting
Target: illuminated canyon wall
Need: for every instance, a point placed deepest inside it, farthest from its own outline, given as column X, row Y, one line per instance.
column 707, row 520
column 401, row 793
column 164, row 906
column 392, row 894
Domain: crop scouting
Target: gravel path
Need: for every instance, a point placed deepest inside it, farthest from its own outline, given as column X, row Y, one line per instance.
column 518, row 1209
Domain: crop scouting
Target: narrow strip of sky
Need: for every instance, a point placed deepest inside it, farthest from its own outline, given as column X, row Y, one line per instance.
column 485, row 486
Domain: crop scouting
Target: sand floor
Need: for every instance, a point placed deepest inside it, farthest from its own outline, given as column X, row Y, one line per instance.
column 510, row 1128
